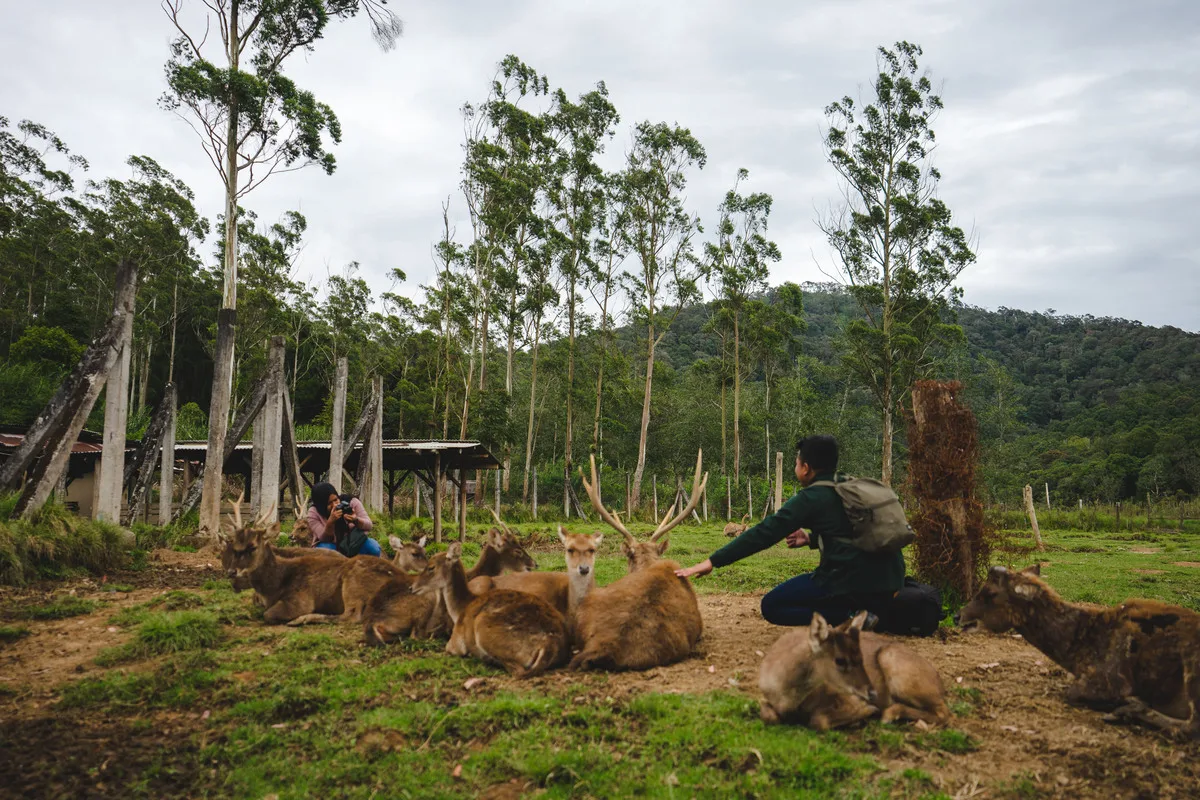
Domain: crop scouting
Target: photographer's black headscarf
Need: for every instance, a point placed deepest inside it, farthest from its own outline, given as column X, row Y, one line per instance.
column 321, row 493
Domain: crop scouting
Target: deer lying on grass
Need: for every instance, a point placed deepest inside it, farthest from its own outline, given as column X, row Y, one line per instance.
column 308, row 586
column 827, row 677
column 395, row 611
column 649, row 617
column 1141, row 659
column 737, row 528
column 518, row 631
column 562, row 590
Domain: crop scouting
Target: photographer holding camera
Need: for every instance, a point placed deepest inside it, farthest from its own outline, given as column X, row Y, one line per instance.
column 339, row 522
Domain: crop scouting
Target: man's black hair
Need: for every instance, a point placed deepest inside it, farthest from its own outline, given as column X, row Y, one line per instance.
column 819, row 452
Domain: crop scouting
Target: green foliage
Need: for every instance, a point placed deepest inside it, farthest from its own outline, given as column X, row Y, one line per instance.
column 13, row 633
column 52, row 541
column 46, row 347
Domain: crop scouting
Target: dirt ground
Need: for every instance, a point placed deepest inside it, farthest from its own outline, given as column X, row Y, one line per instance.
column 1023, row 726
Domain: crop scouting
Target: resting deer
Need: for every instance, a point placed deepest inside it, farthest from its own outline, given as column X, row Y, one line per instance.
column 395, row 611
column 1140, row 659
column 649, row 617
column 902, row 684
column 737, row 528
column 518, row 631
column 806, row 680
column 563, row 590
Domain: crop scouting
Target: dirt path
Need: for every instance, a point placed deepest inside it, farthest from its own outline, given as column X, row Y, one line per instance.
column 1023, row 728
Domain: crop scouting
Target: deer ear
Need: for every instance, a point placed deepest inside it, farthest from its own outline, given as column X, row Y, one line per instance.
column 454, row 552
column 1026, row 590
column 998, row 573
column 597, row 538
column 562, row 537
column 273, row 529
column 663, row 543
column 818, row 632
column 859, row 620
column 421, row 542
column 1035, row 570
column 395, row 542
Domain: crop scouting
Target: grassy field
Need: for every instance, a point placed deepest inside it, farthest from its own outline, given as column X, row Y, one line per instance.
column 201, row 699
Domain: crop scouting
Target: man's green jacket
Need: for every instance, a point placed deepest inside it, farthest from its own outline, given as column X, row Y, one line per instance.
column 844, row 569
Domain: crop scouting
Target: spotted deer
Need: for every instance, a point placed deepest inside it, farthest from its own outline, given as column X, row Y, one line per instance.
column 395, row 612
column 516, row 630
column 649, row 617
column 1139, row 660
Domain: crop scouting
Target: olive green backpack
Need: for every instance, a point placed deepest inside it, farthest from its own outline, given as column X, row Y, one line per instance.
column 875, row 513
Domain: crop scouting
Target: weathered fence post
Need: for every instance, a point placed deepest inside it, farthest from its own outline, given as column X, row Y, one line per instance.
column 270, row 419
column 166, row 479
column 116, row 416
column 1029, row 509
column 1047, row 496
column 499, row 475
column 437, row 495
column 139, row 473
column 337, row 432
column 373, row 450
column 535, row 492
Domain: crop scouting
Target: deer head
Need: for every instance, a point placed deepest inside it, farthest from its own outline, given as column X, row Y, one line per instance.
column 580, row 550
column 513, row 556
column 410, row 556
column 642, row 554
column 438, row 572
column 245, row 547
column 1003, row 600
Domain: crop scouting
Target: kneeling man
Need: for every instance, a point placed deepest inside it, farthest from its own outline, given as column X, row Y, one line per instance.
column 846, row 580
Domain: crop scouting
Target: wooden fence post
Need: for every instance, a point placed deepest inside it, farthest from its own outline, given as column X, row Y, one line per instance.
column 166, row 479
column 1047, row 496
column 437, row 496
column 270, row 419
column 373, row 450
column 337, row 433
column 1037, row 533
column 462, row 504
column 535, row 492
column 778, row 480
column 116, row 416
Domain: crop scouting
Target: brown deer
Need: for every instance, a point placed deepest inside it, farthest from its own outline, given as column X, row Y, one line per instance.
column 805, row 679
column 516, row 630
column 649, row 617
column 1141, row 659
column 902, row 684
column 395, row 611
column 737, row 528
column 563, row 590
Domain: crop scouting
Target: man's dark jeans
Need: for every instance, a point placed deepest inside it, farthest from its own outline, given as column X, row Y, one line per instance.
column 794, row 601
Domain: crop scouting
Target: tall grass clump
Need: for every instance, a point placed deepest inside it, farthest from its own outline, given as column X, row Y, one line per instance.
column 53, row 541
column 164, row 634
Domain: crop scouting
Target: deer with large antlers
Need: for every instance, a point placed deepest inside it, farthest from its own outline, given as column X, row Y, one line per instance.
column 648, row 618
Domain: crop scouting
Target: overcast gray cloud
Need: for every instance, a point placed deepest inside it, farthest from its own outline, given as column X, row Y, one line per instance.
column 1070, row 142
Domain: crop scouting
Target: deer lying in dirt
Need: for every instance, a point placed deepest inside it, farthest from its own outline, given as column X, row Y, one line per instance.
column 737, row 528
column 395, row 611
column 1141, row 659
column 562, row 590
column 517, row 630
column 827, row 677
column 649, row 617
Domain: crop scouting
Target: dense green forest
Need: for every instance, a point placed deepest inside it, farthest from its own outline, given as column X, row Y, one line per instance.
column 535, row 332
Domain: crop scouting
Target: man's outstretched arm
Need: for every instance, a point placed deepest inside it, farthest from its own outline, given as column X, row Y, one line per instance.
column 786, row 522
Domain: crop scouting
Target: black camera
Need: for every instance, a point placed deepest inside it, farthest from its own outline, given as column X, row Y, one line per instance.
column 345, row 507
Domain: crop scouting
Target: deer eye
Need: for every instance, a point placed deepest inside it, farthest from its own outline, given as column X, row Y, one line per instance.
column 841, row 663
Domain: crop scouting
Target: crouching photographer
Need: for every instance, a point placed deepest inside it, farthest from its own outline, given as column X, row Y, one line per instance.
column 339, row 522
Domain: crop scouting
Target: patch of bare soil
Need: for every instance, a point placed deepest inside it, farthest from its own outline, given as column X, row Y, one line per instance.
column 1145, row 551
column 1193, row 564
column 1147, row 571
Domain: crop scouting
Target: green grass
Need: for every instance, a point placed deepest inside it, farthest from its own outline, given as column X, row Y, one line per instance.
column 60, row 607
column 13, row 633
column 164, row 634
column 311, row 712
column 54, row 543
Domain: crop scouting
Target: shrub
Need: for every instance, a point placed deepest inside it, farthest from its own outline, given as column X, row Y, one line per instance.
column 52, row 541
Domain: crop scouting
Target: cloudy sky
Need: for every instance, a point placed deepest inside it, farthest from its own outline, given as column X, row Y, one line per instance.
column 1070, row 142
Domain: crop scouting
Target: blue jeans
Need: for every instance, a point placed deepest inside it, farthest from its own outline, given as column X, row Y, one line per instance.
column 370, row 547
column 794, row 601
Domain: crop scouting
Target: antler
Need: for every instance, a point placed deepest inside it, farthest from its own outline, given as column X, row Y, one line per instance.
column 604, row 513
column 264, row 515
column 499, row 521
column 698, row 484
column 237, row 510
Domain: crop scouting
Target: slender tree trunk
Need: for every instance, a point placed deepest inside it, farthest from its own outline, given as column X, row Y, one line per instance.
column 569, row 436
column 222, row 386
column 640, row 470
column 737, row 398
column 888, row 429
column 600, row 370
column 532, row 395
column 174, row 326
column 724, row 429
column 508, row 378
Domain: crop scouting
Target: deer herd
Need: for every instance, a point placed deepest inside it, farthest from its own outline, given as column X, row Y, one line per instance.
column 1140, row 661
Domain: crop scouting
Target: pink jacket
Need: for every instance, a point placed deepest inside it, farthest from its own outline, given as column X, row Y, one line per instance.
column 322, row 531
